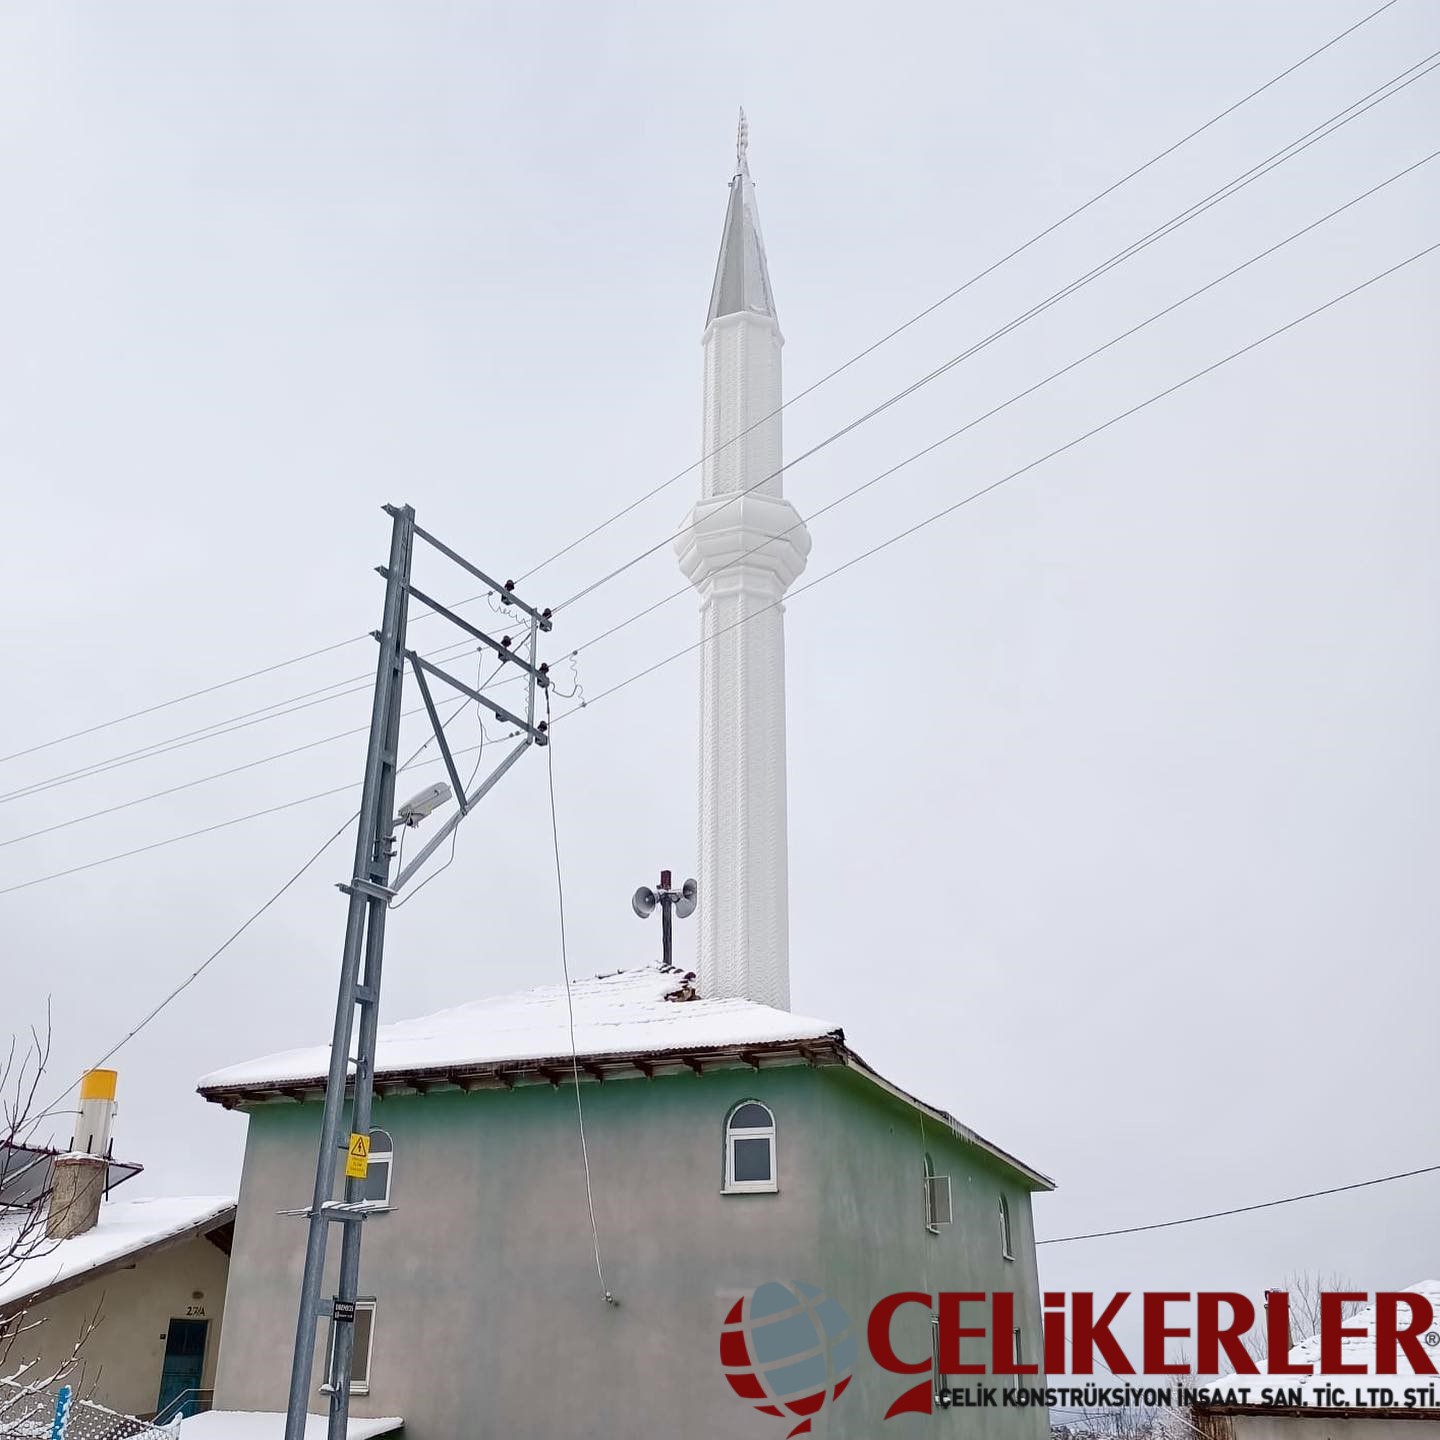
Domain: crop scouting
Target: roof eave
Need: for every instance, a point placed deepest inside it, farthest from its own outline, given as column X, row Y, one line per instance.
column 123, row 1261
column 827, row 1048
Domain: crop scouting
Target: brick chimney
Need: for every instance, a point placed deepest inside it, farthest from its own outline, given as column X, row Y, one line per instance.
column 77, row 1182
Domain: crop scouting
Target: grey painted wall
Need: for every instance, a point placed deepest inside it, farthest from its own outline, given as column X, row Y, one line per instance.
column 490, row 1318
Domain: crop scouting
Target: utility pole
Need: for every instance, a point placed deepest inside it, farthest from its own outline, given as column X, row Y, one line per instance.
column 370, row 893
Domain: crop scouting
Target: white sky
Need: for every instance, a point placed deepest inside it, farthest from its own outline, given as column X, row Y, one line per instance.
column 1113, row 797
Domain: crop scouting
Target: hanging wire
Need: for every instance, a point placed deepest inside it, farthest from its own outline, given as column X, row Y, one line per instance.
column 570, row 1012
column 577, row 687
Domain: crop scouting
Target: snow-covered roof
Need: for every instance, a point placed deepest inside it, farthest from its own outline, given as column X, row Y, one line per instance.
column 125, row 1228
column 267, row 1425
column 1245, row 1389
column 640, row 1019
column 615, row 1015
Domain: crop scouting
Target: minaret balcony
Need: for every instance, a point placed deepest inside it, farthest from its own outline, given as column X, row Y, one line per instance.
column 751, row 535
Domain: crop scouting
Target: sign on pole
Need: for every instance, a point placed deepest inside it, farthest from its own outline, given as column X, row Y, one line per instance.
column 357, row 1159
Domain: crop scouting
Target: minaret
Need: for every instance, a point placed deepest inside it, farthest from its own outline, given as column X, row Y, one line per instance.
column 742, row 549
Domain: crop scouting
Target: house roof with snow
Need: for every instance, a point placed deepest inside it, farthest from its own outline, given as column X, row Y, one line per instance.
column 631, row 1023
column 125, row 1231
column 1243, row 1392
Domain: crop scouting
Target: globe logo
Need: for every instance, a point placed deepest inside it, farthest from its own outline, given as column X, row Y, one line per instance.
column 788, row 1349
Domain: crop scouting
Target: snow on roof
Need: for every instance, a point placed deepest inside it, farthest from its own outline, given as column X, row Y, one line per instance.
column 1245, row 1389
column 267, row 1425
column 620, row 1014
column 124, row 1228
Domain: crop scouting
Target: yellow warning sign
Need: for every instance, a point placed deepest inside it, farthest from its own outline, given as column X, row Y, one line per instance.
column 357, row 1160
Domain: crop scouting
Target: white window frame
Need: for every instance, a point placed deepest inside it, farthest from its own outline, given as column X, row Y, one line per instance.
column 387, row 1157
column 932, row 1191
column 733, row 1186
column 1007, row 1238
column 357, row 1387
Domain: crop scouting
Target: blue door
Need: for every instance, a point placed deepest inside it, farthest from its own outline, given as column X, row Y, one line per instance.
column 183, row 1370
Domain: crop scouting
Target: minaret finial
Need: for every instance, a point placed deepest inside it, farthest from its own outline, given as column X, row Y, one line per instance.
column 742, row 144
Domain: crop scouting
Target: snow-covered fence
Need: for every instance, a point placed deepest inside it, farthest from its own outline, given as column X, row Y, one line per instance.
column 31, row 1414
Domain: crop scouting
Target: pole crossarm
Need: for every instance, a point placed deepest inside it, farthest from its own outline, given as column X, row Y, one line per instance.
column 504, row 651
column 536, row 734
column 506, row 591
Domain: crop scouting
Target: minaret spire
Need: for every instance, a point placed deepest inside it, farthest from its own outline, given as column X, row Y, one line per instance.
column 743, row 548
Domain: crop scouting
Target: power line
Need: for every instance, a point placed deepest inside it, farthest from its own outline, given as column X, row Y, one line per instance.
column 203, row 830
column 1013, row 399
column 249, row 920
column 819, row 579
column 306, row 701
column 214, row 731
column 191, row 784
column 810, row 389
column 1240, row 1209
column 962, row 288
column 215, row 954
column 1323, row 131
column 1003, row 480
column 824, row 509
column 215, row 775
column 181, row 699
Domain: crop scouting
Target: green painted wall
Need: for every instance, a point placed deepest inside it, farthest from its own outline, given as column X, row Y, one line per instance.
column 490, row 1319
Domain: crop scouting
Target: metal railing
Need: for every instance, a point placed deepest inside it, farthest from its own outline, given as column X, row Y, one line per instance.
column 187, row 1402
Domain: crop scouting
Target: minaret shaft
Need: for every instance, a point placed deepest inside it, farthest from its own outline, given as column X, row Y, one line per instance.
column 743, row 548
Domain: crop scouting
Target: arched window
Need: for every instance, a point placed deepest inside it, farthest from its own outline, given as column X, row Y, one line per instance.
column 376, row 1184
column 1007, row 1247
column 750, row 1149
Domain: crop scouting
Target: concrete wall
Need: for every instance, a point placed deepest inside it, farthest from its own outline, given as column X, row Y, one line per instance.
column 123, row 1356
column 490, row 1319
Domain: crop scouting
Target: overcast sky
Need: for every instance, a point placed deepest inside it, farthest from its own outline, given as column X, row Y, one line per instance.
column 1113, row 797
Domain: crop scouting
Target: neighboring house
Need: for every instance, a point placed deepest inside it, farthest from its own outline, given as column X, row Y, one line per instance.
column 141, row 1291
column 1236, row 1411
column 729, row 1144
column 121, row 1299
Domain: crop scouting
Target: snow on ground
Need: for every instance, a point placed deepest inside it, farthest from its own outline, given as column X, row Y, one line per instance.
column 124, row 1227
column 621, row 1014
column 1245, row 1389
column 267, row 1425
